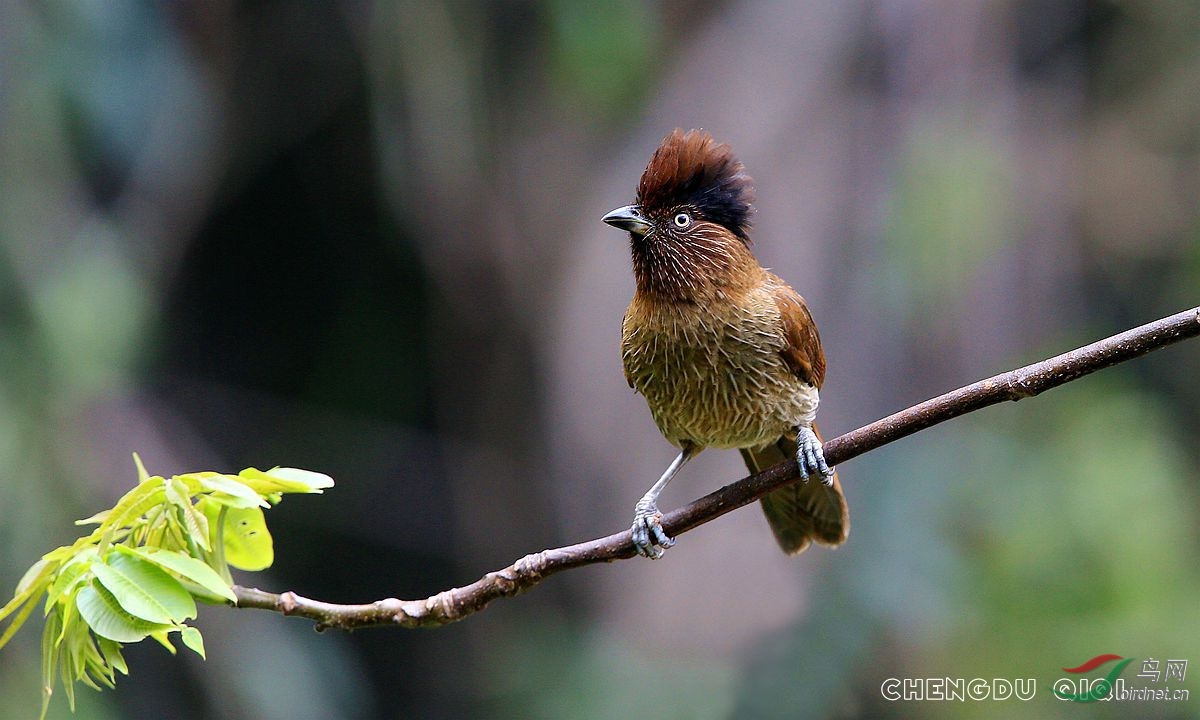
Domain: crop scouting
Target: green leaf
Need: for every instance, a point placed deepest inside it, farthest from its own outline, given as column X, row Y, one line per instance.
column 230, row 491
column 166, row 543
column 186, row 567
column 105, row 616
column 137, row 574
column 248, row 543
column 287, row 480
column 20, row 618
column 144, row 590
column 96, row 519
column 112, row 655
column 31, row 584
column 65, row 552
column 194, row 523
column 68, row 617
column 96, row 666
column 314, row 481
column 49, row 658
column 134, row 504
column 64, row 671
column 36, row 573
column 192, row 638
column 162, row 636
column 69, row 575
column 74, row 656
column 143, row 476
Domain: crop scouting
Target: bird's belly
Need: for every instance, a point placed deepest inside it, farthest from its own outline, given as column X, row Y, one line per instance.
column 718, row 385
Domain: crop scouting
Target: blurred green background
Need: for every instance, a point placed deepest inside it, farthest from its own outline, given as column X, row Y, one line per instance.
column 363, row 238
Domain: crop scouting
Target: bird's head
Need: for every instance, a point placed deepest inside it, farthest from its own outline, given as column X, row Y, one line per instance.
column 690, row 226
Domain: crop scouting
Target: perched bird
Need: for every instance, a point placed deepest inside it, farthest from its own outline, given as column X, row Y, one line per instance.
column 726, row 354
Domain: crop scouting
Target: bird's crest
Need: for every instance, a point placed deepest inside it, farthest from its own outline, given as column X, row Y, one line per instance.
column 691, row 169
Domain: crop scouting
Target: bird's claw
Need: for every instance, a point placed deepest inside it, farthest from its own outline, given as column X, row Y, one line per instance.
column 648, row 535
column 810, row 458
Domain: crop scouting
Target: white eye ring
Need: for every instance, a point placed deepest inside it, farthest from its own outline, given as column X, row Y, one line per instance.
column 682, row 220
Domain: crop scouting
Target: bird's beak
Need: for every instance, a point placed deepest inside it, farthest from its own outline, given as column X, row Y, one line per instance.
column 628, row 218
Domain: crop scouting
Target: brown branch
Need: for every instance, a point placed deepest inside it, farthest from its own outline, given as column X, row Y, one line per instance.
column 455, row 604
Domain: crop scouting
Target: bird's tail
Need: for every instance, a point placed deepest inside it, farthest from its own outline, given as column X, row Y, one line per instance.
column 804, row 511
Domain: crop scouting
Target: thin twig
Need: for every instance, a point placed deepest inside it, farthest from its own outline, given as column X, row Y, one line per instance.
column 455, row 604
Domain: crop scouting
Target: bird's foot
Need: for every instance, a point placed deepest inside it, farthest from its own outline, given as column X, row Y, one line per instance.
column 648, row 535
column 810, row 459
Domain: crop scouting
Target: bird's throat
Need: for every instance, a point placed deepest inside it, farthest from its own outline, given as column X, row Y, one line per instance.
column 695, row 271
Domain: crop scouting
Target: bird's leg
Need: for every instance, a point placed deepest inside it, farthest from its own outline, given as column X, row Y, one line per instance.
column 647, row 531
column 810, row 459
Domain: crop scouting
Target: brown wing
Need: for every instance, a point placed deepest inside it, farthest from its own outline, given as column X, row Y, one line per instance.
column 803, row 353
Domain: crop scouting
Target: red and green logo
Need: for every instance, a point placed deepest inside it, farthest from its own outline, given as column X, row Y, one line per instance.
column 1099, row 689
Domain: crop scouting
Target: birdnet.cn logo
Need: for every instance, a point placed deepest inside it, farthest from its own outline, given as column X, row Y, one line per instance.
column 1159, row 680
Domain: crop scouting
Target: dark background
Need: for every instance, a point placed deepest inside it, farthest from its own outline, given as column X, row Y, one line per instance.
column 363, row 238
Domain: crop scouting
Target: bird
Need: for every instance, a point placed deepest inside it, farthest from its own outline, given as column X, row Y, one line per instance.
column 725, row 353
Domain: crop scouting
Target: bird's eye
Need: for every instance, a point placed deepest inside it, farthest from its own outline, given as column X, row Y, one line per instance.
column 682, row 220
